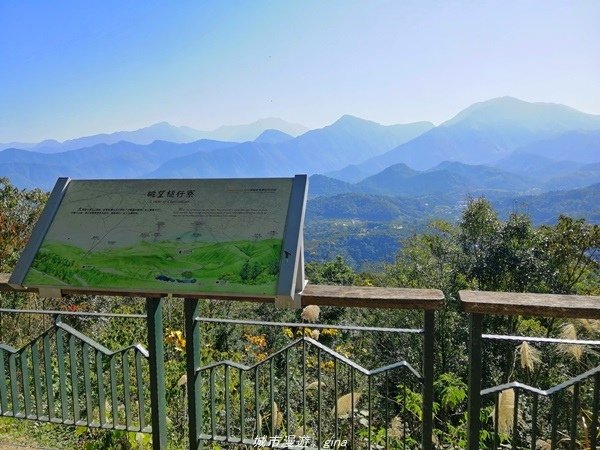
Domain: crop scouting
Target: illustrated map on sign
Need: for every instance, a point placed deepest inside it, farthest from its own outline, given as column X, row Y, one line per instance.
column 178, row 236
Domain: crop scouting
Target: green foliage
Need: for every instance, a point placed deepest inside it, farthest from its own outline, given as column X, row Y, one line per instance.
column 569, row 249
column 480, row 251
column 484, row 252
column 19, row 210
column 497, row 255
column 411, row 402
column 333, row 272
column 452, row 390
column 112, row 440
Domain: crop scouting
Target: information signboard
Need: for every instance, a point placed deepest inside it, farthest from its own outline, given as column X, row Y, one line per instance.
column 214, row 238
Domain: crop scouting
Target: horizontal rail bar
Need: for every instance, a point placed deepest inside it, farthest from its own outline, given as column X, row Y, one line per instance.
column 541, row 340
column 547, row 392
column 307, row 325
column 325, row 349
column 348, row 296
column 372, row 297
column 527, row 304
column 71, row 313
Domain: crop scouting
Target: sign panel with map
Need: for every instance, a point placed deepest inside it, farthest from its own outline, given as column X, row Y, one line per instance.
column 221, row 237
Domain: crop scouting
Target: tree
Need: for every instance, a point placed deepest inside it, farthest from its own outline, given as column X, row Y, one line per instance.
column 569, row 248
column 428, row 259
column 333, row 272
column 19, row 211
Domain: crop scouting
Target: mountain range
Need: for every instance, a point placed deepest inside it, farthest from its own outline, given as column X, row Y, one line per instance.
column 272, row 153
column 511, row 151
column 164, row 131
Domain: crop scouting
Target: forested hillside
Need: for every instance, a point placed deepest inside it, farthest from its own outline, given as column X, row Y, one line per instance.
column 479, row 251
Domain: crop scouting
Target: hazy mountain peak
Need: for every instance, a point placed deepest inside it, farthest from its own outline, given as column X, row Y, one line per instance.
column 503, row 111
column 444, row 165
column 160, row 125
column 349, row 120
column 272, row 136
column 248, row 132
column 400, row 168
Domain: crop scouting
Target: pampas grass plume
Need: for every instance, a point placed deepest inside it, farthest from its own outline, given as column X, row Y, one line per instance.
column 569, row 331
column 506, row 410
column 310, row 313
column 315, row 385
column 530, row 356
column 345, row 406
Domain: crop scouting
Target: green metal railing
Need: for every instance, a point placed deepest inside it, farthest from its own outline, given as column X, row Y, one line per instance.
column 546, row 419
column 304, row 388
column 565, row 416
column 283, row 398
column 63, row 376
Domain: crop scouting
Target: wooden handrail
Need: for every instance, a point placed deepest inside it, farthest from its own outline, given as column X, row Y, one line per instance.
column 349, row 296
column 516, row 303
column 373, row 297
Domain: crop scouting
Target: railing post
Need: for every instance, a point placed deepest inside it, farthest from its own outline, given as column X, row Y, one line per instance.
column 475, row 365
column 158, row 401
column 191, row 308
column 428, row 360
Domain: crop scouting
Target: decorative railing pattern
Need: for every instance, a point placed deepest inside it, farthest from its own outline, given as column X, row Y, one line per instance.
column 63, row 376
column 284, row 397
column 542, row 426
column 281, row 397
column 526, row 417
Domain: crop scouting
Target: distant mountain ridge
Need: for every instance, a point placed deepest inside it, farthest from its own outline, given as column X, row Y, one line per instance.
column 371, row 185
column 486, row 132
column 120, row 160
column 348, row 140
column 502, row 145
column 448, row 178
column 552, row 117
column 164, row 131
column 250, row 131
column 543, row 208
column 272, row 136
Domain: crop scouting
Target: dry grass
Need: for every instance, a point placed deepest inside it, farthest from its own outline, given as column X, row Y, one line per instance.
column 543, row 445
column 315, row 385
column 589, row 325
column 530, row 356
column 506, row 410
column 345, row 406
column 277, row 419
column 311, row 313
column 569, row 331
column 395, row 429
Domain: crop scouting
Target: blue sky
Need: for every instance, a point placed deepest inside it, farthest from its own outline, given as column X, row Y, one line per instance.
column 73, row 68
